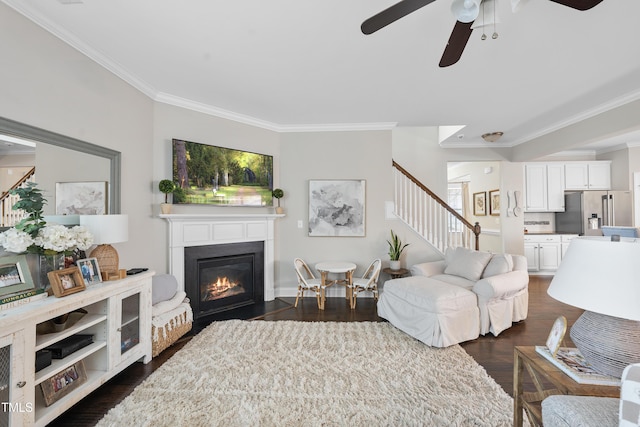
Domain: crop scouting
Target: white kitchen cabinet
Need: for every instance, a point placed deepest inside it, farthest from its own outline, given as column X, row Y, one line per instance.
column 565, row 240
column 544, row 187
column 543, row 252
column 587, row 175
column 118, row 317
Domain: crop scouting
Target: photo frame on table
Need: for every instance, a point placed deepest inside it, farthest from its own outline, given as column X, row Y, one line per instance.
column 337, row 208
column 65, row 381
column 558, row 330
column 15, row 275
column 480, row 203
column 82, row 198
column 66, row 281
column 494, row 202
column 90, row 270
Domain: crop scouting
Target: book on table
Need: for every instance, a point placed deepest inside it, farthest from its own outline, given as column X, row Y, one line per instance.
column 572, row 362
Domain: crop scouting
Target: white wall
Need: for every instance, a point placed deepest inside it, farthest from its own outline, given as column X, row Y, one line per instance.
column 50, row 85
column 333, row 155
column 482, row 182
column 173, row 122
column 79, row 167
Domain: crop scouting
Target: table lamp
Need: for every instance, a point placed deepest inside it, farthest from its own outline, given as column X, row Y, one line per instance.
column 602, row 276
column 106, row 229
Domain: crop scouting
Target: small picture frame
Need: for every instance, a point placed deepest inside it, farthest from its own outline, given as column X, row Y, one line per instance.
column 14, row 275
column 66, row 281
column 480, row 203
column 494, row 202
column 90, row 270
column 65, row 381
column 556, row 335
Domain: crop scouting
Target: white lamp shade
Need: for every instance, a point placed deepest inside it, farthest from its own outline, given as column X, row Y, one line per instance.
column 62, row 219
column 107, row 229
column 601, row 276
column 465, row 10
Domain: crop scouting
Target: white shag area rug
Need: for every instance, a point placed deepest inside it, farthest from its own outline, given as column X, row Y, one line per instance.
column 288, row 373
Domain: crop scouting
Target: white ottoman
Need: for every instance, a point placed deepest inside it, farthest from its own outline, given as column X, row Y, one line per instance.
column 437, row 313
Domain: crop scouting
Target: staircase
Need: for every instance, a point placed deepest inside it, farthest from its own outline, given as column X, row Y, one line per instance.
column 430, row 216
column 10, row 217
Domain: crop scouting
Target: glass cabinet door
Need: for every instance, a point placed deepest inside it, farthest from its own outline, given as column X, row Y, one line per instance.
column 12, row 383
column 130, row 323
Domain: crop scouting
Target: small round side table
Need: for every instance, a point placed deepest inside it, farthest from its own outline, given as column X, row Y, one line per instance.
column 395, row 274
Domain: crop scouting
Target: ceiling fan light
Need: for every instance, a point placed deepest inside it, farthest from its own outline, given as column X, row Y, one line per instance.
column 488, row 16
column 492, row 136
column 465, row 10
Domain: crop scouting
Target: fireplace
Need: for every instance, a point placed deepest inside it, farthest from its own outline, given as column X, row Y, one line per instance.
column 223, row 277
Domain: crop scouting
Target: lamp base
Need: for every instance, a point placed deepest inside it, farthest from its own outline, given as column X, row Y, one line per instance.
column 607, row 343
column 108, row 260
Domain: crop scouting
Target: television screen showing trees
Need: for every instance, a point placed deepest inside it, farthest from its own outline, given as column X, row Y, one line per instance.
column 206, row 174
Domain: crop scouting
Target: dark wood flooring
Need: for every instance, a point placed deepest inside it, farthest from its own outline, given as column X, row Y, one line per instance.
column 495, row 354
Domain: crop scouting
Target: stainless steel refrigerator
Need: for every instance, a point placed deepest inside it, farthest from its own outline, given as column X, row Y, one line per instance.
column 613, row 208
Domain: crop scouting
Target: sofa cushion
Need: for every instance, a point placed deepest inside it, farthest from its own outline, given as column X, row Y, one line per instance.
column 431, row 295
column 499, row 264
column 467, row 263
column 454, row 280
column 163, row 288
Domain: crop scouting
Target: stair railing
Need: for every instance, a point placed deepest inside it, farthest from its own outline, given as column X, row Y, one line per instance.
column 430, row 216
column 10, row 217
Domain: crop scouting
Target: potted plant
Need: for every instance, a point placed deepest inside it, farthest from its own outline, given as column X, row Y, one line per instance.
column 166, row 186
column 395, row 250
column 278, row 194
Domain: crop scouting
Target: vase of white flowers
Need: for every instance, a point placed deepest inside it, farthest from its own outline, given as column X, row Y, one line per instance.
column 49, row 242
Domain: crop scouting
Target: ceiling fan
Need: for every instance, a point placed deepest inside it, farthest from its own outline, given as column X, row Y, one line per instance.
column 461, row 31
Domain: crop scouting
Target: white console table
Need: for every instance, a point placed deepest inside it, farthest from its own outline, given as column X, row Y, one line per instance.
column 119, row 318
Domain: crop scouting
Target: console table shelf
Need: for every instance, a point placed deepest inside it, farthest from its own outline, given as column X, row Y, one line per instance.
column 543, row 372
column 117, row 315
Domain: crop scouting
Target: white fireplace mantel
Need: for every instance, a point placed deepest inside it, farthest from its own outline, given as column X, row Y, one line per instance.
column 187, row 230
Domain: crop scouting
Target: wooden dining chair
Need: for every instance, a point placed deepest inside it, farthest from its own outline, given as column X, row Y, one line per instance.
column 307, row 281
column 368, row 282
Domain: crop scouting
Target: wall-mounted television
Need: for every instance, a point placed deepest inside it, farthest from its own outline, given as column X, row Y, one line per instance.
column 210, row 175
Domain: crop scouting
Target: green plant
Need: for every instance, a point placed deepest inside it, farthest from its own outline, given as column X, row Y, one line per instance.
column 278, row 194
column 166, row 186
column 32, row 202
column 395, row 247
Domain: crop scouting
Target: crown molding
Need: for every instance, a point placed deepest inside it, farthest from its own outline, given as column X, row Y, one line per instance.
column 584, row 115
column 188, row 104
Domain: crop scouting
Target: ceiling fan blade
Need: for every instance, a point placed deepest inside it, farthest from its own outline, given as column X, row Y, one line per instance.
column 578, row 4
column 392, row 14
column 456, row 44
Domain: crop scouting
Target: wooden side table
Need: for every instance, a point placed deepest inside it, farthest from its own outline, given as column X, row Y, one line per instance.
column 395, row 274
column 542, row 371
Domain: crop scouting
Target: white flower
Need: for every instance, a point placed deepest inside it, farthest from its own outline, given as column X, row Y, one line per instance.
column 84, row 239
column 56, row 238
column 14, row 240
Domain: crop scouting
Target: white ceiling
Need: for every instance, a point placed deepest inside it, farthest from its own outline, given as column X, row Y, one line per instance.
column 292, row 65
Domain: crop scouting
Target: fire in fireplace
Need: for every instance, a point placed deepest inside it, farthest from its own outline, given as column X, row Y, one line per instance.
column 224, row 277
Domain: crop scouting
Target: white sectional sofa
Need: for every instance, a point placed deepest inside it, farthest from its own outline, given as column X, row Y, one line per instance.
column 456, row 299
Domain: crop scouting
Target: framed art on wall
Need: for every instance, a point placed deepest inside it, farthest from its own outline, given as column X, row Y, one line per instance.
column 337, row 208
column 494, row 202
column 82, row 198
column 480, row 203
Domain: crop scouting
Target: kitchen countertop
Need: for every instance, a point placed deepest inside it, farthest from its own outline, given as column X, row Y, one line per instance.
column 549, row 234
